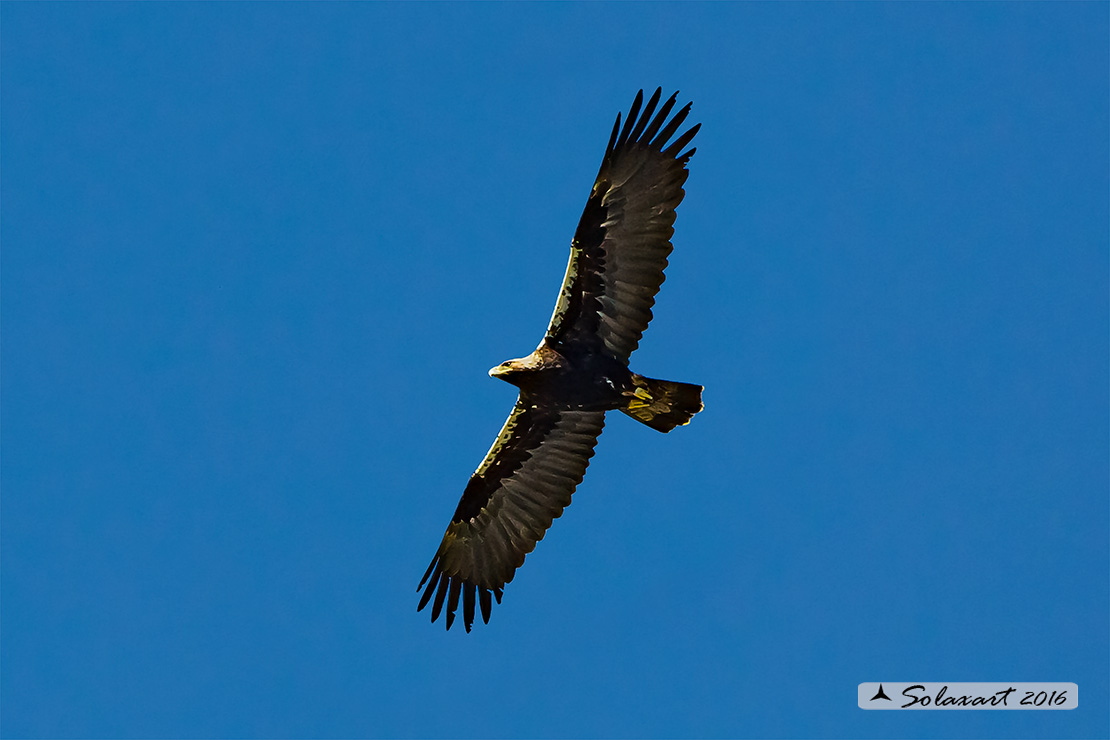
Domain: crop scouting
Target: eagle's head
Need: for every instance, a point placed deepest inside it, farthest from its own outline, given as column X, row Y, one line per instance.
column 511, row 371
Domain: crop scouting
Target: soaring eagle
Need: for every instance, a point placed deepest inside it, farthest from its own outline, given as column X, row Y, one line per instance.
column 580, row 369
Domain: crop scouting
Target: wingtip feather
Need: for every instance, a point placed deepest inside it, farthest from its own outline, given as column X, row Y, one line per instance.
column 613, row 136
column 468, row 605
column 427, row 593
column 682, row 141
column 631, row 120
column 437, row 605
column 453, row 601
column 668, row 131
column 484, row 602
column 428, row 572
column 660, row 117
column 645, row 117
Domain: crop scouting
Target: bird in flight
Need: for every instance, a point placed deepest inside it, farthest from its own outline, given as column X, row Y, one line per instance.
column 579, row 370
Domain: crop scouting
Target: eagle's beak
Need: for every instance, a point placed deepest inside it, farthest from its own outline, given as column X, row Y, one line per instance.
column 496, row 372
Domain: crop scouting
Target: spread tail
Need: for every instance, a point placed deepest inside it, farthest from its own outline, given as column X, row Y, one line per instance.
column 662, row 404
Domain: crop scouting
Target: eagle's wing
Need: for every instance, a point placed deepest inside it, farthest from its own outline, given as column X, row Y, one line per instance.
column 620, row 249
column 524, row 483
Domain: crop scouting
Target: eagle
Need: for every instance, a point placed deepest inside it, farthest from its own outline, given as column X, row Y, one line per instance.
column 579, row 371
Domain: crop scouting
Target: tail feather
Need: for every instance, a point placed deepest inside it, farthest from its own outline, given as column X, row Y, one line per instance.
column 662, row 404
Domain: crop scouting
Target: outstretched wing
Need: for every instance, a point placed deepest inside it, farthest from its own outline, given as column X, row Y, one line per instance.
column 524, row 483
column 623, row 239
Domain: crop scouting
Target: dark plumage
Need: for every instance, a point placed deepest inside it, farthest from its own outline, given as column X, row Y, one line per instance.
column 579, row 371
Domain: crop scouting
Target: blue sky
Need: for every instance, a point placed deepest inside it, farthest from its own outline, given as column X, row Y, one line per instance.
column 257, row 259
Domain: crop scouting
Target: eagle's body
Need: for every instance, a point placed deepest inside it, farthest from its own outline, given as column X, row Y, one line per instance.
column 594, row 380
column 579, row 371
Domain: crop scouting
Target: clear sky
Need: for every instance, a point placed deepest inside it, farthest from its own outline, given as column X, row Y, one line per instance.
column 257, row 259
